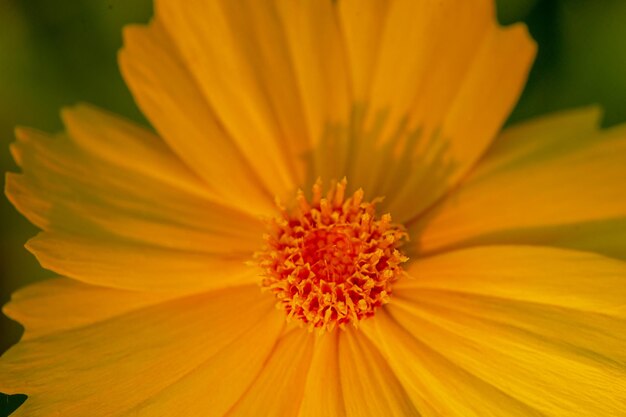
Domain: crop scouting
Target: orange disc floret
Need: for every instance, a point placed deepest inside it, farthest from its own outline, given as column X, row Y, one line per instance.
column 331, row 261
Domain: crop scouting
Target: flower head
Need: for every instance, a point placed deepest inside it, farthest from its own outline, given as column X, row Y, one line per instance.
column 172, row 256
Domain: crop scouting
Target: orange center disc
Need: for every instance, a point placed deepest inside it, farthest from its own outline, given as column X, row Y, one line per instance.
column 331, row 261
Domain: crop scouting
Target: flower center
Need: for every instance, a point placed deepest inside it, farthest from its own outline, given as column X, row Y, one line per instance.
column 331, row 261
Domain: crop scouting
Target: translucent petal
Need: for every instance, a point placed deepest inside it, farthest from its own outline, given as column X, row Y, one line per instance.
column 555, row 181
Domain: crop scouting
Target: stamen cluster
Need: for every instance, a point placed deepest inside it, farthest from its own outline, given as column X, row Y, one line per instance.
column 331, row 261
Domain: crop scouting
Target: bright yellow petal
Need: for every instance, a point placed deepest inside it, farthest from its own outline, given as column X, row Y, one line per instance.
column 309, row 89
column 318, row 58
column 127, row 146
column 362, row 24
column 220, row 50
column 278, row 389
column 595, row 335
column 437, row 386
column 171, row 98
column 89, row 183
column 369, row 386
column 200, row 352
column 540, row 329
column 556, row 181
column 322, row 393
column 416, row 39
column 446, row 79
column 113, row 220
column 271, row 74
column 91, row 208
column 227, row 376
column 61, row 304
column 131, row 266
column 569, row 279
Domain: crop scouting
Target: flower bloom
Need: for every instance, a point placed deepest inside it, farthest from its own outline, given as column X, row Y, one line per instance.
column 327, row 222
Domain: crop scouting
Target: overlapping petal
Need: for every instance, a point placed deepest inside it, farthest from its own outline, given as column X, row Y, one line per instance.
column 471, row 335
column 171, row 98
column 280, row 381
column 363, row 371
column 556, row 181
column 323, row 395
column 432, row 91
column 60, row 304
column 110, row 219
column 139, row 355
column 401, row 97
column 126, row 265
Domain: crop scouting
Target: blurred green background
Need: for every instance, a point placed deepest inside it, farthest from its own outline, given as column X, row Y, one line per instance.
column 56, row 53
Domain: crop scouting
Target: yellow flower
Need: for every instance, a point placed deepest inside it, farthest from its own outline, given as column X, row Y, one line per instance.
column 494, row 286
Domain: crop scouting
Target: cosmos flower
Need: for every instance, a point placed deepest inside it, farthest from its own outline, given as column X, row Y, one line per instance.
column 327, row 222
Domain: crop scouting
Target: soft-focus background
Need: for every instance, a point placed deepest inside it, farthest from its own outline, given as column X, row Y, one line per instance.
column 56, row 53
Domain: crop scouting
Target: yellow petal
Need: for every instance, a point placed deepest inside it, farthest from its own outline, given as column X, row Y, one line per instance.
column 128, row 265
column 61, row 304
column 437, row 386
column 115, row 221
column 171, row 98
column 569, row 279
column 228, row 376
column 540, row 329
column 272, row 74
column 420, row 39
column 369, row 386
column 446, row 79
column 519, row 367
column 200, row 352
column 220, row 53
column 130, row 147
column 322, row 393
column 315, row 45
column 556, row 181
column 363, row 23
column 99, row 211
column 90, row 185
column 278, row 389
column 574, row 331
